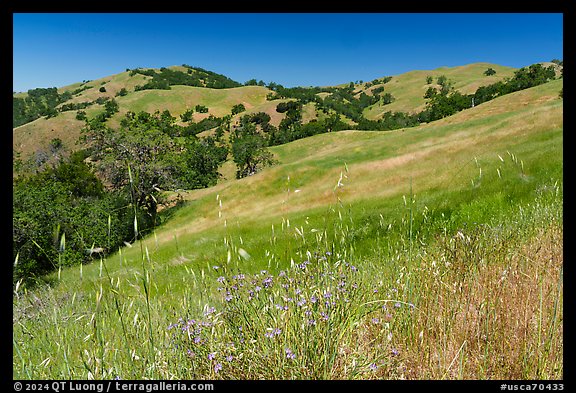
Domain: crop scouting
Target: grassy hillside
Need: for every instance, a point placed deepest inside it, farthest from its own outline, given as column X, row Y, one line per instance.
column 407, row 89
column 432, row 252
column 380, row 164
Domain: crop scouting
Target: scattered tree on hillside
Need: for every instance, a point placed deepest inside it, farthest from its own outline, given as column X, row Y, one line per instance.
column 187, row 116
column 110, row 108
column 430, row 92
column 122, row 92
column 490, row 71
column 201, row 108
column 249, row 150
column 199, row 162
column 239, row 108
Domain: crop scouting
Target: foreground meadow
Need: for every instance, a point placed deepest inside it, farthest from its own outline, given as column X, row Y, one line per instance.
column 426, row 253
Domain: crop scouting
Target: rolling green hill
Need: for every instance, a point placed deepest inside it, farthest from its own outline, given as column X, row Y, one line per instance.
column 407, row 90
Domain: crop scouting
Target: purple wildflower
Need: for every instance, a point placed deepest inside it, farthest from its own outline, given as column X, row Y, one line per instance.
column 217, row 367
column 313, row 299
column 197, row 340
column 375, row 320
column 273, row 333
column 324, row 316
column 228, row 297
column 215, row 267
column 395, row 352
column 229, row 358
column 267, row 282
column 327, row 295
column 211, row 356
column 221, row 279
column 311, row 322
column 373, row 366
column 397, row 305
column 301, row 302
column 290, row 354
column 258, row 288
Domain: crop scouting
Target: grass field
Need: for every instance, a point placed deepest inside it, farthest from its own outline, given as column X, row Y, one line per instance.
column 432, row 252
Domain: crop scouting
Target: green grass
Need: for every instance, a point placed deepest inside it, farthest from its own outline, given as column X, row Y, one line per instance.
column 454, row 226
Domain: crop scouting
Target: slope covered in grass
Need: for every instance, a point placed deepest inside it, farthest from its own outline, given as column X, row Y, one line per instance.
column 407, row 89
column 433, row 252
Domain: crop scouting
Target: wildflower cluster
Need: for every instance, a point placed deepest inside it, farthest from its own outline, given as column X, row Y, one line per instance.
column 264, row 317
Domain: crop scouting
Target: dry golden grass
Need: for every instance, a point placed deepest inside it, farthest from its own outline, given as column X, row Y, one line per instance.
column 36, row 135
column 493, row 317
column 408, row 89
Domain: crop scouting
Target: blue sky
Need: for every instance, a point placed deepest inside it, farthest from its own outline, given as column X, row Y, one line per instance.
column 291, row 49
